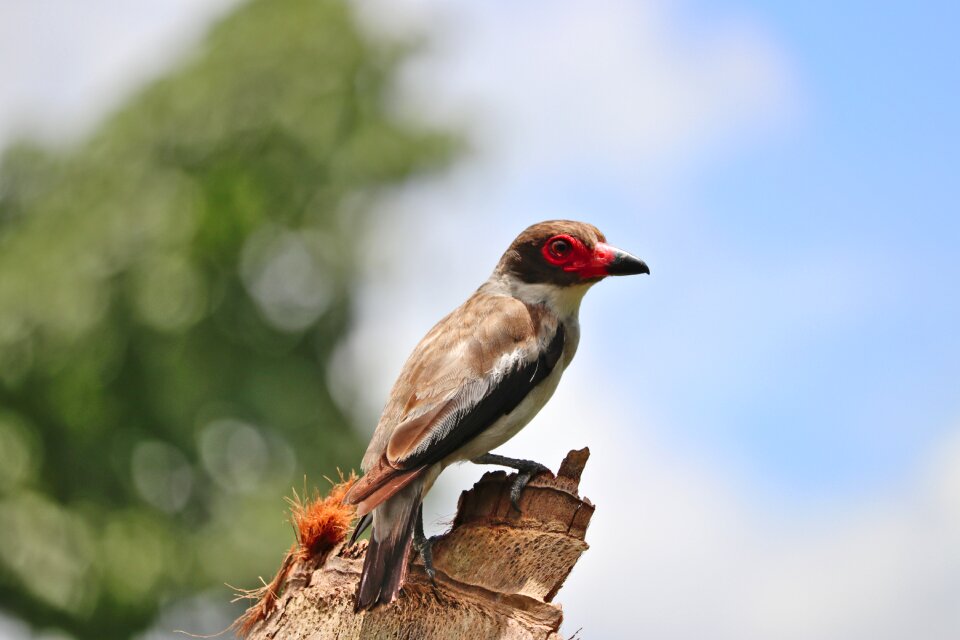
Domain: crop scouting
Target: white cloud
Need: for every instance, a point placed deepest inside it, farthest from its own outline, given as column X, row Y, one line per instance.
column 64, row 64
column 13, row 629
column 618, row 84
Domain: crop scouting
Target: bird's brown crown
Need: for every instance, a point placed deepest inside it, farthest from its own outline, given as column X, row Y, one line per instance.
column 546, row 251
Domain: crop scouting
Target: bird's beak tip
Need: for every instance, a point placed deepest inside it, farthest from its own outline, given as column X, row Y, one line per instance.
column 624, row 264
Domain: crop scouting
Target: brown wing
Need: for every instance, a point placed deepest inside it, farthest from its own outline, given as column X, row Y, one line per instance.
column 477, row 405
column 475, row 366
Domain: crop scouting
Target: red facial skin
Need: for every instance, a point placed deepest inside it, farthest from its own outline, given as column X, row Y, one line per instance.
column 578, row 258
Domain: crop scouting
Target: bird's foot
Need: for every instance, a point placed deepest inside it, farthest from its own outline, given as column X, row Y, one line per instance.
column 526, row 470
column 520, row 483
column 424, row 546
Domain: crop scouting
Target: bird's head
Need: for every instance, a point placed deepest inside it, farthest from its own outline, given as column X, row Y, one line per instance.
column 564, row 253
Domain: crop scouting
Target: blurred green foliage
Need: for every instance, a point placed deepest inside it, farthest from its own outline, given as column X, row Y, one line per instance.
column 171, row 292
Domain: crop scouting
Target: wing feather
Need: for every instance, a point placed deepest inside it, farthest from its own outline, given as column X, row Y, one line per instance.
column 473, row 367
column 477, row 405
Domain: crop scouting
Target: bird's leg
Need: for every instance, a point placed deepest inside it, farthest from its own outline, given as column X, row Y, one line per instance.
column 526, row 469
column 424, row 546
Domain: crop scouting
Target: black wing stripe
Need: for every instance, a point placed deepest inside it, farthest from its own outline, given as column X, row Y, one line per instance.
column 467, row 414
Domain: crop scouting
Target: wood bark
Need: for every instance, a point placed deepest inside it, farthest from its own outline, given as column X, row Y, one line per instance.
column 498, row 572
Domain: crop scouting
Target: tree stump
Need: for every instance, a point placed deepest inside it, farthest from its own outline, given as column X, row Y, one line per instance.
column 497, row 572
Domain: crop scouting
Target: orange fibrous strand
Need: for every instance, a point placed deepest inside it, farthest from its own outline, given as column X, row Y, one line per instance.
column 265, row 597
column 320, row 524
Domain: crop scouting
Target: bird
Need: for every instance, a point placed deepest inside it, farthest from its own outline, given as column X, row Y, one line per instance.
column 477, row 377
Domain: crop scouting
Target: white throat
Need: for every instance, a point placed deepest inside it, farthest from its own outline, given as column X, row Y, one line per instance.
column 563, row 301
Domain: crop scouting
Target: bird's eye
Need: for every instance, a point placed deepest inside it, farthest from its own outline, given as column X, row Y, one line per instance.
column 560, row 247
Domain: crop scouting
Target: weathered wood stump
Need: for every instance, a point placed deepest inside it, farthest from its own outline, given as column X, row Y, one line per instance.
column 497, row 572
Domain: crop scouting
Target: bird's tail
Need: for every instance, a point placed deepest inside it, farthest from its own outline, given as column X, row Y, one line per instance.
column 385, row 565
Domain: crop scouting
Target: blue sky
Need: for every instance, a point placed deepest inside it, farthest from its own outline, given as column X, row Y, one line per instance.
column 869, row 172
column 774, row 412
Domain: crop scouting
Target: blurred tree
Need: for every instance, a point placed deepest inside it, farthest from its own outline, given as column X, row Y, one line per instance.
column 171, row 292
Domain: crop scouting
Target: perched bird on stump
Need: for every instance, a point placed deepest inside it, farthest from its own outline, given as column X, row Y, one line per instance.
column 476, row 379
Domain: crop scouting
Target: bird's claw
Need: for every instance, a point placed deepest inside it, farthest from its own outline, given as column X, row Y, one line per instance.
column 526, row 470
column 524, row 476
column 425, row 548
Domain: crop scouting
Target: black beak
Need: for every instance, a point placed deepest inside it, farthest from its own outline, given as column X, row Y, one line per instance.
column 624, row 264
